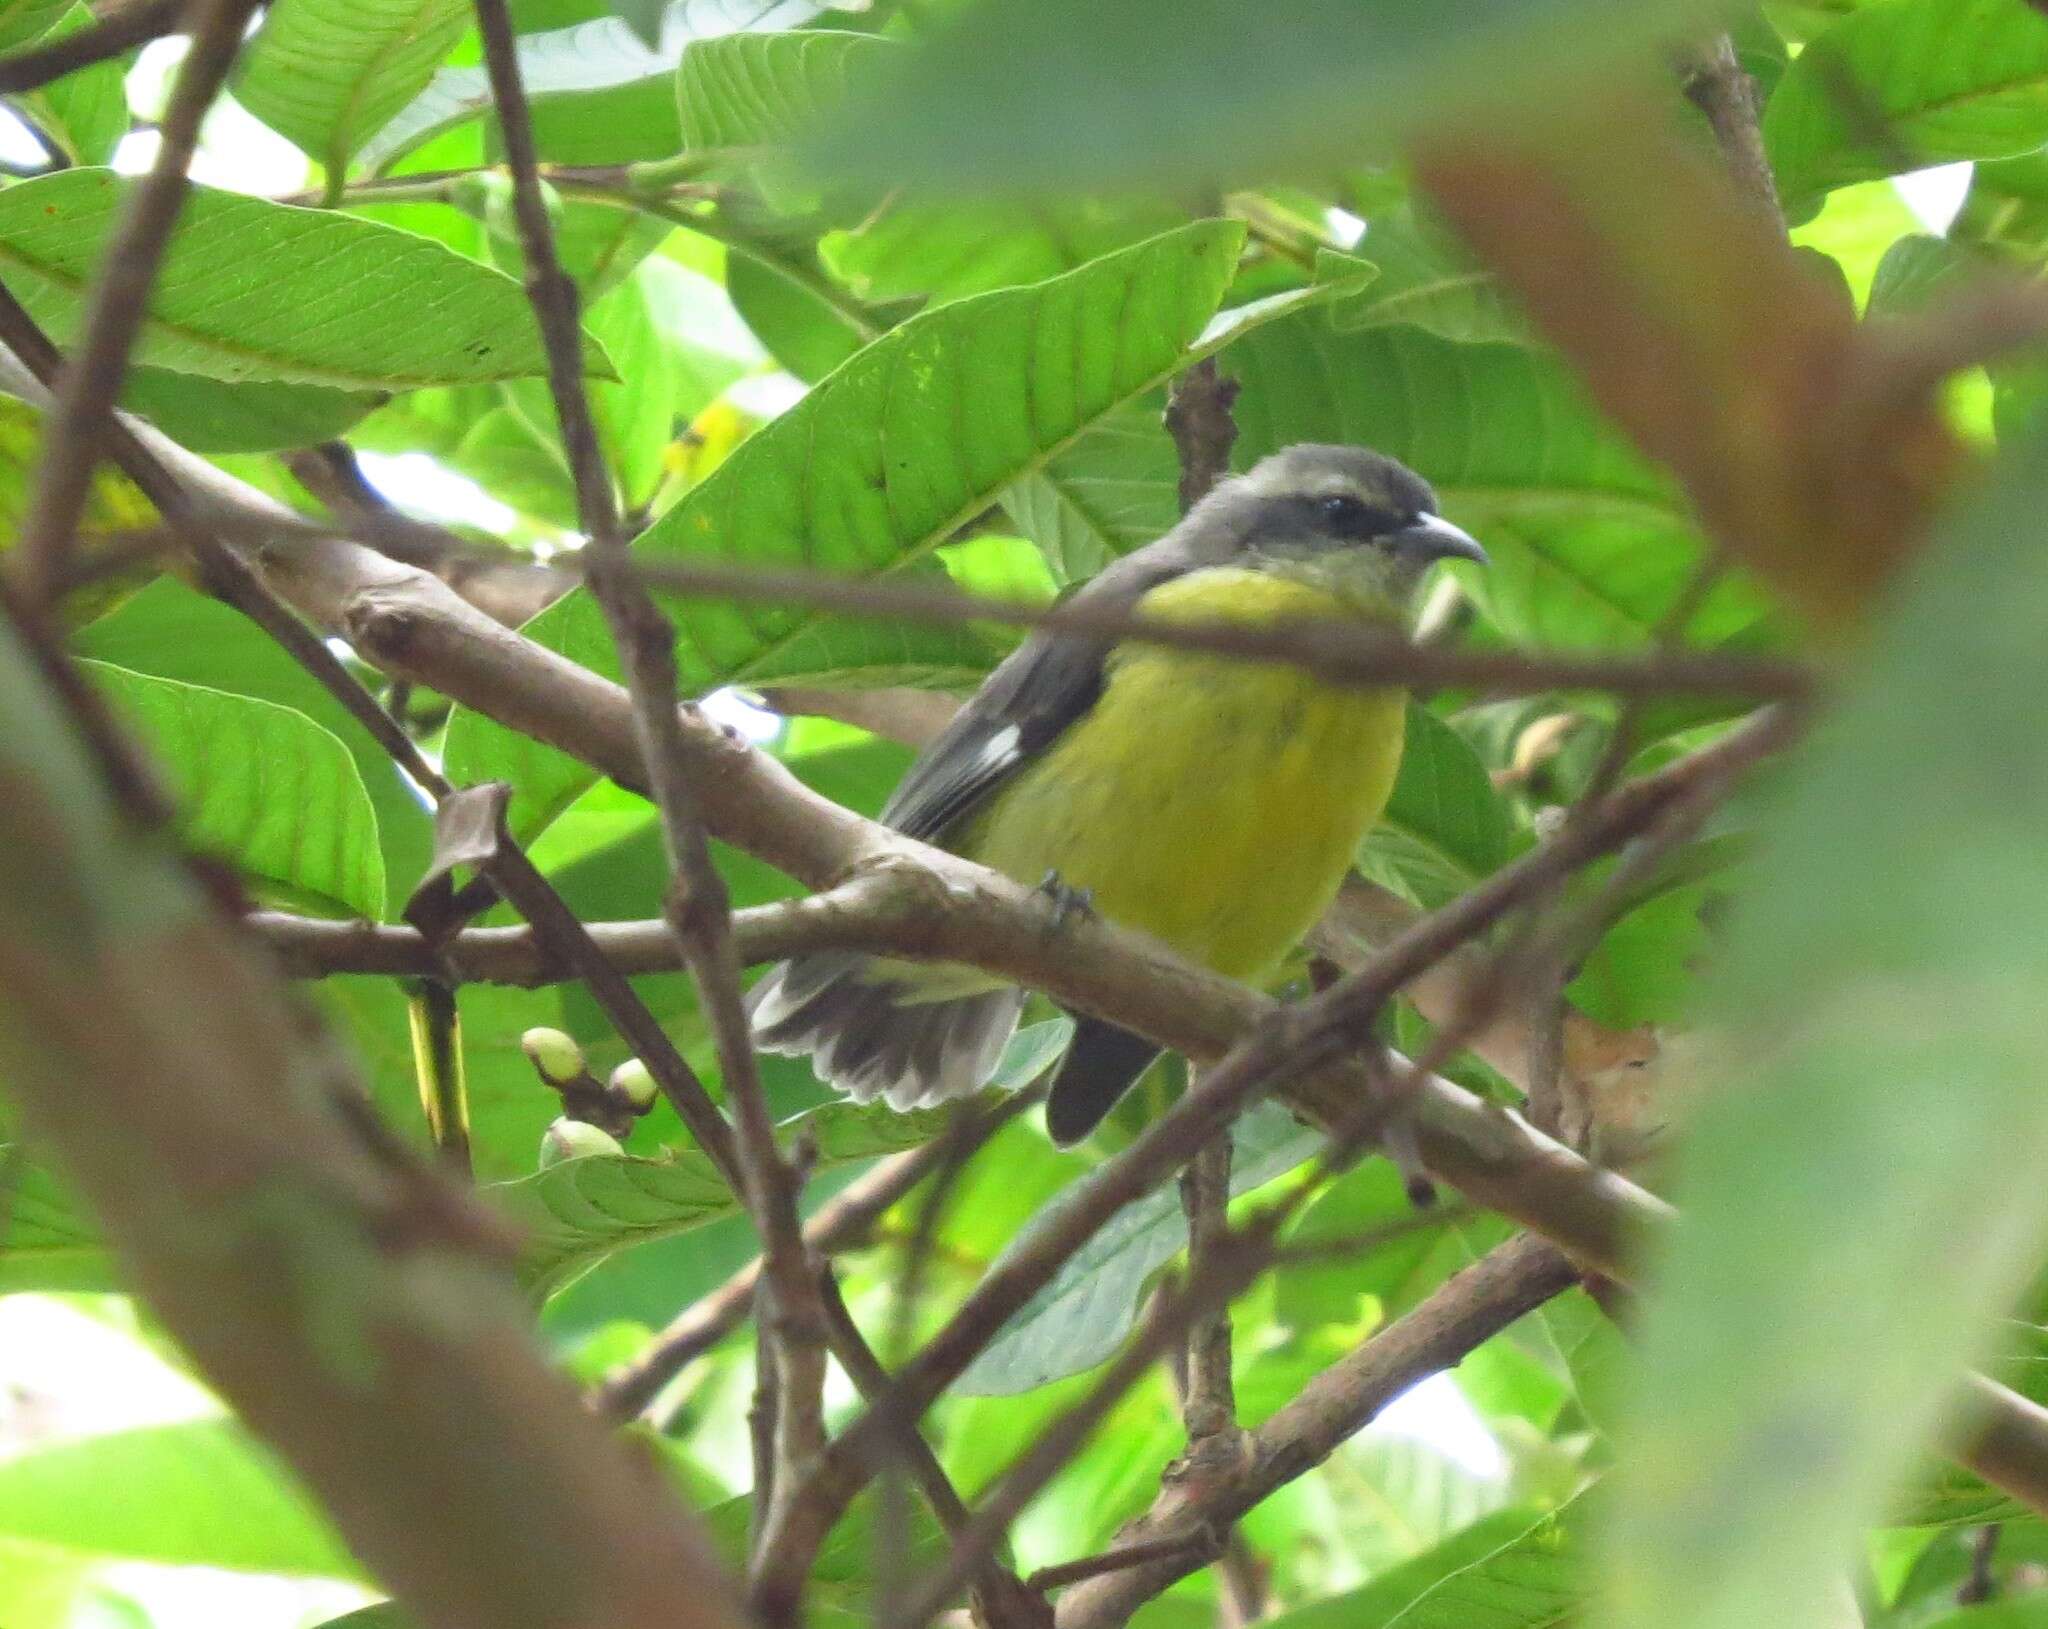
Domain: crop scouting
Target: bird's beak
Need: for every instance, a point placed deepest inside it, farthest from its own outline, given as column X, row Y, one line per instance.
column 1434, row 538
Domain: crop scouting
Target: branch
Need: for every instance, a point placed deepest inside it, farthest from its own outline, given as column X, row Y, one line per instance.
column 698, row 907
column 841, row 1223
column 76, row 427
column 1198, row 418
column 1468, row 1309
column 118, row 31
column 219, row 1138
column 415, row 626
column 1720, row 87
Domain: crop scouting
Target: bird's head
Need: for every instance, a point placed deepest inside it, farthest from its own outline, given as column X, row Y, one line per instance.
column 1346, row 518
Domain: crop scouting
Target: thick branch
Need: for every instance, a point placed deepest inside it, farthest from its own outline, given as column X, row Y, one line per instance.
column 224, row 1148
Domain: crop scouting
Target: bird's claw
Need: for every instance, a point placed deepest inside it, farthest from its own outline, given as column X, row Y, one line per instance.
column 1066, row 902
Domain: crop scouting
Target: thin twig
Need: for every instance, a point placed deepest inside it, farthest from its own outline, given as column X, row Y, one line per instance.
column 1465, row 1311
column 1062, row 1573
column 1239, row 1256
column 999, row 1592
column 76, row 427
column 114, row 33
column 1982, row 1583
column 1334, row 649
column 840, row 1224
column 1209, row 1403
column 1198, row 418
column 1720, row 87
column 698, row 906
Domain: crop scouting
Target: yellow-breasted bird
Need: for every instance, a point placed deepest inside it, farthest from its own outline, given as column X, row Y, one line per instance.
column 1214, row 804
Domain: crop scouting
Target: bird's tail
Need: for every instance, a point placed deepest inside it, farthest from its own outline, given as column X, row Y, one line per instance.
column 1102, row 1063
column 873, row 1035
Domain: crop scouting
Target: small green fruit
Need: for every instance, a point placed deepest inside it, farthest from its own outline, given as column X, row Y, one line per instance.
column 558, row 1058
column 568, row 1139
column 632, row 1082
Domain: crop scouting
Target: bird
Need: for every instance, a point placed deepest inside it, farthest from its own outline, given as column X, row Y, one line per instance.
column 1210, row 802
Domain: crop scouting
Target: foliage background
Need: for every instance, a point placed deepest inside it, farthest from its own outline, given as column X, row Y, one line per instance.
column 744, row 303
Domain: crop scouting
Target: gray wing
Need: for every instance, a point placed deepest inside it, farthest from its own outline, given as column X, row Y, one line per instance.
column 1037, row 692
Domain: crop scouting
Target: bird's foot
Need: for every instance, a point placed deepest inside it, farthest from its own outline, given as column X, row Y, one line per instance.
column 1067, row 903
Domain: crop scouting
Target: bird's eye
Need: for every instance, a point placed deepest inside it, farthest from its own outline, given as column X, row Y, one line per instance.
column 1345, row 515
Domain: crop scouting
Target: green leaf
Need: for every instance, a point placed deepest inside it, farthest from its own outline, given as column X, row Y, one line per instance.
column 1083, row 1315
column 244, row 279
column 1505, row 1571
column 262, row 787
column 1423, row 280
column 1903, row 84
column 677, row 345
column 883, row 462
column 113, row 504
column 202, row 1494
column 171, row 632
column 46, row 1242
column 85, row 113
column 1444, row 826
column 23, row 22
column 2006, row 208
column 743, row 92
column 912, row 249
column 329, row 74
column 257, row 415
column 594, row 74
column 1042, row 94
column 1884, row 978
column 1114, row 490
column 573, row 1215
column 2025, row 1612
column 1591, row 545
column 1920, row 271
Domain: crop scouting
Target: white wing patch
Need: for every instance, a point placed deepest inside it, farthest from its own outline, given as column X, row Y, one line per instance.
column 1000, row 748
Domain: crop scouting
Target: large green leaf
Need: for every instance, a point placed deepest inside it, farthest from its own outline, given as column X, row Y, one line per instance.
column 884, row 461
column 1590, row 544
column 1902, row 84
column 170, row 631
column 1114, row 490
column 262, row 787
column 1444, row 826
column 743, row 92
column 1082, row 1316
column 251, row 289
column 201, row 1494
column 329, row 74
column 1882, row 990
column 1043, row 94
column 593, row 74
